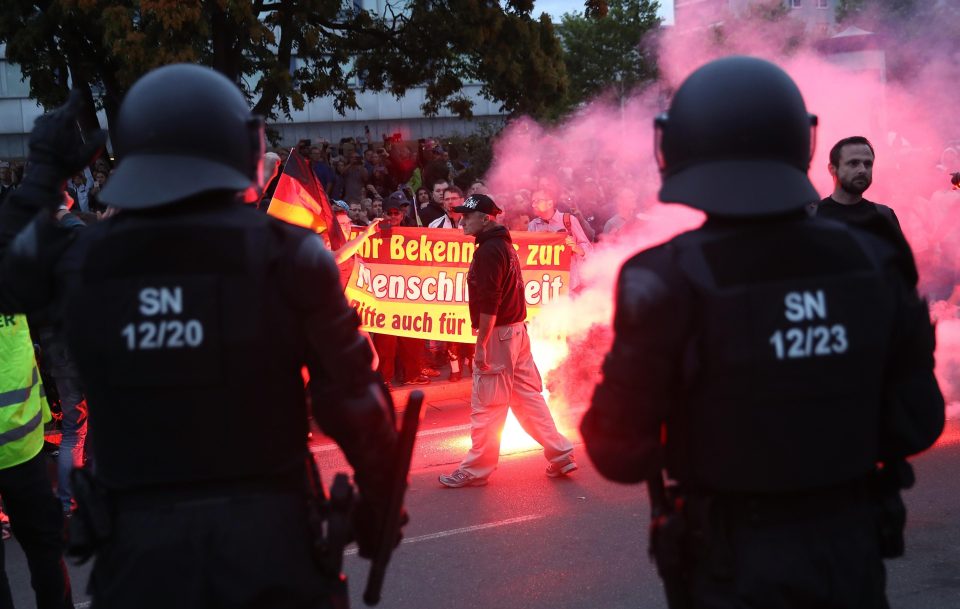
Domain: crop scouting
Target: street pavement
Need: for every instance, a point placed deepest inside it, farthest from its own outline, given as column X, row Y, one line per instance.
column 528, row 541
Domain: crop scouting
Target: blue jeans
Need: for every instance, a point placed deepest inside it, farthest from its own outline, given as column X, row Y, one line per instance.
column 74, row 435
column 63, row 371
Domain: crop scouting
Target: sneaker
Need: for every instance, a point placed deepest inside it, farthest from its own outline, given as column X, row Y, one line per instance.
column 455, row 376
column 564, row 468
column 431, row 372
column 461, row 478
column 420, row 380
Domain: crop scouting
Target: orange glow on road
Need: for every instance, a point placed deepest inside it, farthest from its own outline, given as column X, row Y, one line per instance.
column 513, row 438
column 549, row 348
column 548, row 345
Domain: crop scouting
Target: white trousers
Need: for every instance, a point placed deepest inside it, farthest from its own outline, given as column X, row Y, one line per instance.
column 512, row 381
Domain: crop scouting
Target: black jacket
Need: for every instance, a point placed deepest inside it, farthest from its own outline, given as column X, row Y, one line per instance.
column 206, row 312
column 494, row 279
column 781, row 355
column 431, row 212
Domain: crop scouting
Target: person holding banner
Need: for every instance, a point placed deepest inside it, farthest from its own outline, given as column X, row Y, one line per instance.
column 207, row 311
column 457, row 353
column 504, row 373
column 391, row 349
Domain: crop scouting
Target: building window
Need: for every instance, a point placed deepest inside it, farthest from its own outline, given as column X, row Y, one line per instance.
column 822, row 4
column 796, row 3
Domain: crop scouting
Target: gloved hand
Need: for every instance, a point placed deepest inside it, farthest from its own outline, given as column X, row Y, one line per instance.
column 57, row 148
column 368, row 528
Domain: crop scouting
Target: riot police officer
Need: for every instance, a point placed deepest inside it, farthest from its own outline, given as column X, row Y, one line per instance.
column 191, row 317
column 768, row 361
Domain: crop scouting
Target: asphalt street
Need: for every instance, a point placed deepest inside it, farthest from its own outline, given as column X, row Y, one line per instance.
column 527, row 541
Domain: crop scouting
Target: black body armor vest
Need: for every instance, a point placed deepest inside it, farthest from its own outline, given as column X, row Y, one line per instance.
column 181, row 326
column 785, row 371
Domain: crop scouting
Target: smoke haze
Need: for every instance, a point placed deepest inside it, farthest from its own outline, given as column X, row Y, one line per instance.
column 609, row 147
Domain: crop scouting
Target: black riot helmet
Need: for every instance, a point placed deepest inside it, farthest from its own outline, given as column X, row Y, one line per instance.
column 183, row 130
column 737, row 141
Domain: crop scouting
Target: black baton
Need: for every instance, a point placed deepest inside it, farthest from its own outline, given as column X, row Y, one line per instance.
column 391, row 523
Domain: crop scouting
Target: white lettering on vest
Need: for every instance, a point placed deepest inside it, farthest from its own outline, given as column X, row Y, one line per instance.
column 154, row 301
column 162, row 333
column 805, row 306
column 812, row 340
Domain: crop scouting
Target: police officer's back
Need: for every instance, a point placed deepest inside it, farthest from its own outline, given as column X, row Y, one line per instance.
column 767, row 361
column 191, row 317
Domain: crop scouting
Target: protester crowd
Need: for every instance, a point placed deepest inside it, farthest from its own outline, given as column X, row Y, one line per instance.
column 82, row 190
column 364, row 175
column 390, row 183
column 417, row 184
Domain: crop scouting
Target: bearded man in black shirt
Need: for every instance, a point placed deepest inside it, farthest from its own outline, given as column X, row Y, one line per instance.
column 851, row 165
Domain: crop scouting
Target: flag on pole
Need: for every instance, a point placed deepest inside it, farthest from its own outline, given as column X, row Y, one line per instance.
column 300, row 199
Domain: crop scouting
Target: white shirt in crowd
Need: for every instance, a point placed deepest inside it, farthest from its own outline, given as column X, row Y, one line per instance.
column 554, row 225
column 443, row 221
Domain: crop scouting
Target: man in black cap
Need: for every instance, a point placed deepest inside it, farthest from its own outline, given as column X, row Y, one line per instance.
column 395, row 203
column 193, row 292
column 768, row 361
column 504, row 373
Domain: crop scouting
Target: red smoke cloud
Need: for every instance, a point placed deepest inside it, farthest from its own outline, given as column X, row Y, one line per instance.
column 610, row 146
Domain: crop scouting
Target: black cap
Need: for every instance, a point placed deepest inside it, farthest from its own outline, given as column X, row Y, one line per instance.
column 395, row 200
column 480, row 203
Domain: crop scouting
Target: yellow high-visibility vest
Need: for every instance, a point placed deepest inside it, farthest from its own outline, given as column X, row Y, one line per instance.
column 23, row 408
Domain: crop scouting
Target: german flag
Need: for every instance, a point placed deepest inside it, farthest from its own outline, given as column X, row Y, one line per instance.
column 299, row 199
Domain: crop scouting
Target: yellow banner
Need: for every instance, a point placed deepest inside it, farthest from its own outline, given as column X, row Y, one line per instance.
column 413, row 281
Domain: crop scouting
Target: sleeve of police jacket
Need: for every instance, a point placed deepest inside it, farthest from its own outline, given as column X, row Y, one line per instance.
column 30, row 245
column 642, row 372
column 348, row 399
column 913, row 406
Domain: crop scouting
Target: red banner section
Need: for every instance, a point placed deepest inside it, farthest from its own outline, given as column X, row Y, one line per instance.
column 413, row 281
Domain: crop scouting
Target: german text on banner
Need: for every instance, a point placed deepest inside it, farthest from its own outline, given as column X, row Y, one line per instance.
column 413, row 281
column 300, row 199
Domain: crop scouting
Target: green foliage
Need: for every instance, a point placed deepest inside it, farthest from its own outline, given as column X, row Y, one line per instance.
column 773, row 12
column 475, row 150
column 916, row 34
column 767, row 23
column 608, row 54
column 847, row 8
column 885, row 10
column 774, row 24
column 518, row 60
column 284, row 53
column 596, row 9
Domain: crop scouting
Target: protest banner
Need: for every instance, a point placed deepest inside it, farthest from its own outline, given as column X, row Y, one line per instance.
column 413, row 281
